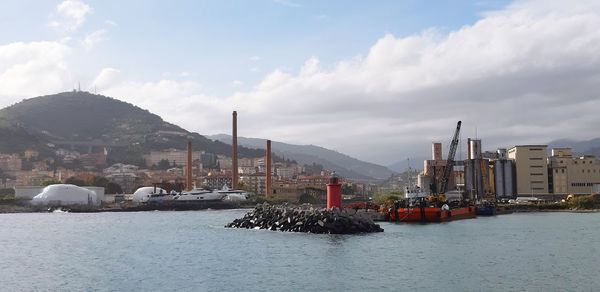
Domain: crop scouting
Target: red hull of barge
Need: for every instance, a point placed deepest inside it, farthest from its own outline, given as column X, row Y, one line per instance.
column 432, row 214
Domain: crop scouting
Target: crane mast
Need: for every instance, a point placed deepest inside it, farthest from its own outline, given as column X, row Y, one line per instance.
column 450, row 161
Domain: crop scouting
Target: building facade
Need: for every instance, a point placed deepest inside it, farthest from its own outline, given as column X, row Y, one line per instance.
column 173, row 156
column 572, row 175
column 531, row 169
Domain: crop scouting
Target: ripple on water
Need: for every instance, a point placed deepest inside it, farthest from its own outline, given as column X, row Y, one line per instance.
column 191, row 251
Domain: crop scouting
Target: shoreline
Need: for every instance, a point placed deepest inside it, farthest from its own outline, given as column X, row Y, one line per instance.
column 15, row 209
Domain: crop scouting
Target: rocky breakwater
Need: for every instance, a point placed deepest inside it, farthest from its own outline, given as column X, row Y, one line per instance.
column 306, row 219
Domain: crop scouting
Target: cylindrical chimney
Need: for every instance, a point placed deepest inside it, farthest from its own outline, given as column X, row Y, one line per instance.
column 334, row 192
column 268, row 171
column 234, row 153
column 188, row 172
column 436, row 151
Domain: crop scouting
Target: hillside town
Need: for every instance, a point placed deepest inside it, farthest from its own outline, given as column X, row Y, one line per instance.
column 291, row 181
column 526, row 171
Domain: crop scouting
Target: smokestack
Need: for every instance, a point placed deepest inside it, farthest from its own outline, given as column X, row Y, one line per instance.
column 268, row 162
column 234, row 158
column 188, row 172
column 436, row 151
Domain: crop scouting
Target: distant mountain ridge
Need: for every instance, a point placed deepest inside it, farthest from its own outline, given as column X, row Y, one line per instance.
column 588, row 147
column 307, row 154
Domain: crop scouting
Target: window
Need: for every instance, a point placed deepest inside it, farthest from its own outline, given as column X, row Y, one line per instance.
column 535, row 158
column 562, row 170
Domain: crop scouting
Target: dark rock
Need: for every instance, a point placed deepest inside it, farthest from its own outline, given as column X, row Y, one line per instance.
column 306, row 219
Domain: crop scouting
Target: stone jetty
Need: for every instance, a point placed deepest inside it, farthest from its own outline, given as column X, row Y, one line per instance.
column 306, row 219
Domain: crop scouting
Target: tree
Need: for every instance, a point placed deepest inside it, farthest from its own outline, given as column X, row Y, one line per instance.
column 113, row 188
column 98, row 181
column 347, row 189
column 163, row 164
column 50, row 182
column 75, row 181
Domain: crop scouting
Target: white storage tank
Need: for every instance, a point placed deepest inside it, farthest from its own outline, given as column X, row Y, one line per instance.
column 65, row 195
column 142, row 194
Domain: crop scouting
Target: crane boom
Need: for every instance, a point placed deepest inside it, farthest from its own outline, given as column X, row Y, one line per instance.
column 450, row 161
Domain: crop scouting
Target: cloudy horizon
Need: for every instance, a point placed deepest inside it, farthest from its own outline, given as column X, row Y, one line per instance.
column 515, row 72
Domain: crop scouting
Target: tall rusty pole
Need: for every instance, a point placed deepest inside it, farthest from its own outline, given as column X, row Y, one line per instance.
column 188, row 172
column 269, row 178
column 234, row 157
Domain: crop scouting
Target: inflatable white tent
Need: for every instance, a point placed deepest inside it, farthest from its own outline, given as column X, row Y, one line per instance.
column 142, row 194
column 65, row 195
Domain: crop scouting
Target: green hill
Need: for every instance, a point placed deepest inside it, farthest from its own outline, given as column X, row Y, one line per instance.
column 89, row 121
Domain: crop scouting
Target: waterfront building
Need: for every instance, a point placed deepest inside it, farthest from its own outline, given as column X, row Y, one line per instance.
column 123, row 175
column 93, row 160
column 255, row 183
column 31, row 154
column 286, row 172
column 531, row 170
column 245, row 162
column 10, row 162
column 313, row 181
column 225, row 163
column 287, row 191
column 173, row 156
column 217, row 181
column 247, row 170
column 572, row 175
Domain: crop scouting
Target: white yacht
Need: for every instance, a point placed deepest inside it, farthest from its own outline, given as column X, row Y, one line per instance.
column 198, row 195
column 233, row 195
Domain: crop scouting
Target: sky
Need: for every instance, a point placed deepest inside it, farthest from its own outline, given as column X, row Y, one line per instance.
column 375, row 80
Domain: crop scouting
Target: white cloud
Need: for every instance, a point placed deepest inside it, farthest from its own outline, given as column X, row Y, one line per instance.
column 237, row 83
column 31, row 69
column 94, row 38
column 106, row 78
column 528, row 73
column 69, row 15
column 185, row 74
column 110, row 22
column 525, row 74
column 254, row 58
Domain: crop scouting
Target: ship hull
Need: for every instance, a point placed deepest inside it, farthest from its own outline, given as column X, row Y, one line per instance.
column 486, row 211
column 432, row 214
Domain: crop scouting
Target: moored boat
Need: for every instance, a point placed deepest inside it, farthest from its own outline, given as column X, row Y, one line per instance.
column 433, row 214
column 486, row 209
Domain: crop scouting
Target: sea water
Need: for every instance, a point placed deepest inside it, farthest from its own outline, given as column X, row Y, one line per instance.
column 192, row 251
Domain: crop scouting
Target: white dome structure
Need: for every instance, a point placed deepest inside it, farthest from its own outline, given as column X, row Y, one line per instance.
column 65, row 195
column 142, row 194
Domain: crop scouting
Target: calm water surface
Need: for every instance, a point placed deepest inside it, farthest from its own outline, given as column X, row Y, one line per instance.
column 191, row 251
